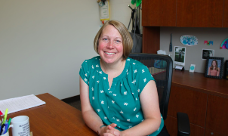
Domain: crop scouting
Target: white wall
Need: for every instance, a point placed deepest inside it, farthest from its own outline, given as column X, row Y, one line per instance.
column 43, row 43
column 120, row 11
column 194, row 53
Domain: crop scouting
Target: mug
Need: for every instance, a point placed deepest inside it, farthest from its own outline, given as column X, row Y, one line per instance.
column 20, row 126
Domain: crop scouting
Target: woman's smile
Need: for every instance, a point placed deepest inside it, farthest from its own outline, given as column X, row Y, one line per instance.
column 109, row 53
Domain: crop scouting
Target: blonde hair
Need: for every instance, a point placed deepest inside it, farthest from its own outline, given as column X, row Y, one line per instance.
column 126, row 37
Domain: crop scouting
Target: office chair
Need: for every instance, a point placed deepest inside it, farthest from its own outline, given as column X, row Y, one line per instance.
column 161, row 68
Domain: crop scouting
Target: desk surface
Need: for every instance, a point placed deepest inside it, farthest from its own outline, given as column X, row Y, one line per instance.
column 197, row 81
column 55, row 118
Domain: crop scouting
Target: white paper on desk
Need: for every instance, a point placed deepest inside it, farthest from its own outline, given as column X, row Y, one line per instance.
column 20, row 103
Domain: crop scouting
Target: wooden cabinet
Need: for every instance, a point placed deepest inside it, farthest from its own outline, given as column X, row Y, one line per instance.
column 171, row 125
column 205, row 100
column 185, row 13
column 192, row 102
column 159, row 13
column 179, row 13
column 199, row 13
column 151, row 39
column 211, row 133
column 217, row 115
column 225, row 14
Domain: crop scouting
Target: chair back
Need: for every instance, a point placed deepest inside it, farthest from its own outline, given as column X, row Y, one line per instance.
column 161, row 68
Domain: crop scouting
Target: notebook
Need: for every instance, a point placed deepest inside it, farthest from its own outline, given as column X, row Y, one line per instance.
column 19, row 103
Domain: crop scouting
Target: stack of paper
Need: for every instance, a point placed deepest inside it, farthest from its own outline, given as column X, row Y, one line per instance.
column 19, row 103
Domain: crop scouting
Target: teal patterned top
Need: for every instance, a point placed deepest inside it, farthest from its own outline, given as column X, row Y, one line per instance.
column 119, row 104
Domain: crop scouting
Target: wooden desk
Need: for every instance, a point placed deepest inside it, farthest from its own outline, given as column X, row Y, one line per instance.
column 55, row 118
column 197, row 81
column 205, row 100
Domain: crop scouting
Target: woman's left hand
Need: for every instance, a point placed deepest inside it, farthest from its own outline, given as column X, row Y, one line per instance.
column 114, row 131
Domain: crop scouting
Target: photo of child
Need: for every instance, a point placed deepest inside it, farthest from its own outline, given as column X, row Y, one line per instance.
column 214, row 67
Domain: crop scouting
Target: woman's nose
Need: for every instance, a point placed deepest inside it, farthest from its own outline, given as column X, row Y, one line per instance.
column 110, row 44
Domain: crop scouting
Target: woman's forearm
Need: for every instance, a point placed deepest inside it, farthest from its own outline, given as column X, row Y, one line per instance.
column 148, row 126
column 92, row 120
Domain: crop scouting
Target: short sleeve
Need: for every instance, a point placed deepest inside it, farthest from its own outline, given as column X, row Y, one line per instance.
column 84, row 72
column 143, row 78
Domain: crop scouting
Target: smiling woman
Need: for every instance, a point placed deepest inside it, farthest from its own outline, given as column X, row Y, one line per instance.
column 126, row 39
column 110, row 46
column 118, row 94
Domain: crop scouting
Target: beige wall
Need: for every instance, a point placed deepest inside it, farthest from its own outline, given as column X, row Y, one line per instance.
column 120, row 11
column 43, row 43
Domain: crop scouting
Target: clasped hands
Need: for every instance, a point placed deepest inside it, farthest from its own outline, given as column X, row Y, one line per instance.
column 110, row 130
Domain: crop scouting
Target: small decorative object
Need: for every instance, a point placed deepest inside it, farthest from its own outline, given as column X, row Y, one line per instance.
column 208, row 42
column 192, row 68
column 188, row 40
column 207, row 53
column 179, row 67
column 101, row 2
column 170, row 45
column 224, row 44
column 214, row 67
column 104, row 10
column 180, row 53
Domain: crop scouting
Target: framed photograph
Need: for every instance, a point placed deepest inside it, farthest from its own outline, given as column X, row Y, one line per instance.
column 214, row 67
column 207, row 53
column 180, row 53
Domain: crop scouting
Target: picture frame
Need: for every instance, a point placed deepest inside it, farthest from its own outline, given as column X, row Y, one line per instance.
column 180, row 55
column 207, row 53
column 214, row 67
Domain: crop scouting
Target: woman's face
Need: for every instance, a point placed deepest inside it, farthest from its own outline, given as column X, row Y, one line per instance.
column 110, row 47
column 214, row 63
